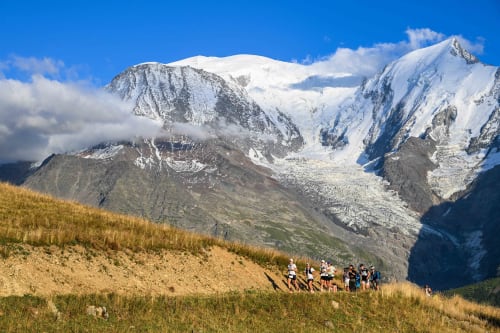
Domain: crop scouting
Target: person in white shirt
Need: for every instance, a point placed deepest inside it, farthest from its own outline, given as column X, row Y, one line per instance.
column 331, row 274
column 309, row 276
column 323, row 276
column 292, row 276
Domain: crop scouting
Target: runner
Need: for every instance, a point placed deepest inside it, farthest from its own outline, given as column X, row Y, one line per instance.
column 346, row 278
column 331, row 274
column 292, row 276
column 365, row 274
column 352, row 278
column 323, row 279
column 309, row 276
column 428, row 290
column 374, row 278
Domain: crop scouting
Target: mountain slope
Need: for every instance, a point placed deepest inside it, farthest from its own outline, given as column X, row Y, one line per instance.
column 472, row 253
column 303, row 158
column 184, row 95
column 55, row 247
column 60, row 260
column 207, row 187
column 486, row 292
column 308, row 95
column 442, row 93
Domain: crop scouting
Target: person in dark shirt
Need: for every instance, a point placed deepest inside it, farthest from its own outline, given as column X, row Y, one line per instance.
column 365, row 275
column 352, row 278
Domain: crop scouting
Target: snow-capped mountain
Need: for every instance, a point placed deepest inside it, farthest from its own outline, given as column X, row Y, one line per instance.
column 429, row 122
column 207, row 104
column 307, row 94
column 384, row 165
column 441, row 92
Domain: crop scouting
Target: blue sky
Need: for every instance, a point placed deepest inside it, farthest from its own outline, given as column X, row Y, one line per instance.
column 55, row 56
column 95, row 40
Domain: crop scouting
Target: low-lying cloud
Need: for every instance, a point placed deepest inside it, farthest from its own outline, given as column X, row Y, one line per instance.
column 46, row 116
column 216, row 129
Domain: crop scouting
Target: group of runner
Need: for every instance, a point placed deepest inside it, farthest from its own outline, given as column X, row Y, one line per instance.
column 364, row 278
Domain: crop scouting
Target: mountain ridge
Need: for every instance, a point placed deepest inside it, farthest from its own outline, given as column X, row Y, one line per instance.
column 357, row 164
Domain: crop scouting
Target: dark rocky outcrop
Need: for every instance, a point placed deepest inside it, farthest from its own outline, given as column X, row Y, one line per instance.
column 472, row 253
column 16, row 173
column 406, row 170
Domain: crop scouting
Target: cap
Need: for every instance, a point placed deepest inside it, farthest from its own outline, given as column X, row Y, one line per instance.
column 322, row 261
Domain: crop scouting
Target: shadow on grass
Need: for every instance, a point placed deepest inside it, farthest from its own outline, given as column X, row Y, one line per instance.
column 273, row 283
column 493, row 321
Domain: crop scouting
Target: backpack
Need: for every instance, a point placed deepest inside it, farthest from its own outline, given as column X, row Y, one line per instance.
column 376, row 275
column 358, row 280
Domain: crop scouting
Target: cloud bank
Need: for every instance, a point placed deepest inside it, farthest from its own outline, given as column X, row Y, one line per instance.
column 367, row 61
column 46, row 116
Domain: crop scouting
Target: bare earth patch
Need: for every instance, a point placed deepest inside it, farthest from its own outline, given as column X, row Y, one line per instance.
column 46, row 271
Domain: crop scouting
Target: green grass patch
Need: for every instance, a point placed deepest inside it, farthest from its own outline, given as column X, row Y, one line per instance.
column 235, row 312
column 487, row 292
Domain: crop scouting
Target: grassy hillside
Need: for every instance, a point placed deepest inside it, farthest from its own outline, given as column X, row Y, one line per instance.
column 487, row 292
column 397, row 308
column 40, row 220
column 70, row 235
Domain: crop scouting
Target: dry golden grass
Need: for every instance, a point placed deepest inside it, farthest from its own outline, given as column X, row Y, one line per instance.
column 39, row 220
column 472, row 315
column 397, row 308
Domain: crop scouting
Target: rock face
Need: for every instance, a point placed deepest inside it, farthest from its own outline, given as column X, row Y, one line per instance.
column 209, row 187
column 280, row 155
column 470, row 251
column 184, row 95
column 16, row 173
column 406, row 170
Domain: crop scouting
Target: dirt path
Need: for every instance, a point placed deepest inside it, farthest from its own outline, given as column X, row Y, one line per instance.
column 76, row 270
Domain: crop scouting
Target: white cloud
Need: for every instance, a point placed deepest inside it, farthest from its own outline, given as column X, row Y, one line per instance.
column 23, row 68
column 46, row 116
column 367, row 61
column 194, row 132
column 216, row 129
column 32, row 65
column 418, row 38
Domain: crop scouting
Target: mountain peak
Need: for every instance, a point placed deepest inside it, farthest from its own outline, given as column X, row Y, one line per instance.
column 441, row 52
column 458, row 51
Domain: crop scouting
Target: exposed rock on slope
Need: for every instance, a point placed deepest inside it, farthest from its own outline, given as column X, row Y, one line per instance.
column 406, row 170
